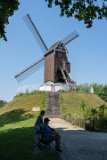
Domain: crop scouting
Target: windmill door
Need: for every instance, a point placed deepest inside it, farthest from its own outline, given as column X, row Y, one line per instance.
column 52, row 88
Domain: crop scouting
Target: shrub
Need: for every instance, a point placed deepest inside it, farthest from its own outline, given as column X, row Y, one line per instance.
column 2, row 103
column 96, row 119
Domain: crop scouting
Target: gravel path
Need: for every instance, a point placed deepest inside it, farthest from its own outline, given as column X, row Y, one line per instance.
column 78, row 144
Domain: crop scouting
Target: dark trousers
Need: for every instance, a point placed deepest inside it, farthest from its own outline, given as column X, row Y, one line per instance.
column 55, row 137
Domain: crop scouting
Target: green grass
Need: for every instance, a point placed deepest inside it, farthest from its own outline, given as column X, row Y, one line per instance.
column 70, row 102
column 25, row 102
column 17, row 131
column 16, row 142
column 71, row 106
column 17, row 121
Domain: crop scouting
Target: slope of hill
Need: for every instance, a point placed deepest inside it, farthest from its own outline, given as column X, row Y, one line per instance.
column 16, row 128
column 70, row 102
column 25, row 102
column 75, row 106
column 20, row 108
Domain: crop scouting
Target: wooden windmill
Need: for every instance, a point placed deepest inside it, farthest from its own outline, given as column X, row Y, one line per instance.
column 56, row 64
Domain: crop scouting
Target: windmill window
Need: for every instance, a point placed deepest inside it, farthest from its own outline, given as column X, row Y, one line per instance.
column 59, row 55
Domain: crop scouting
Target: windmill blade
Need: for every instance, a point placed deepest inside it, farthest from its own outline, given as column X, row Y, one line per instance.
column 35, row 32
column 28, row 73
column 70, row 37
column 29, row 70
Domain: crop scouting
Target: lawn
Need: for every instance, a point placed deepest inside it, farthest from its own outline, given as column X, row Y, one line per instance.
column 70, row 102
column 16, row 141
column 17, row 131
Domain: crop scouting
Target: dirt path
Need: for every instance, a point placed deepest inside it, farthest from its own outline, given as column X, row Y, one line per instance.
column 78, row 144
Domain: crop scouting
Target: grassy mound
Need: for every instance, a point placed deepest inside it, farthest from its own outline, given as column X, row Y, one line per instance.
column 76, row 106
column 71, row 101
column 17, row 131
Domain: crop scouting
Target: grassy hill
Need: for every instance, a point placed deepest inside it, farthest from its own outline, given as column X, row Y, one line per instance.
column 71, row 101
column 71, row 106
column 25, row 102
column 17, row 120
column 20, row 108
column 17, row 131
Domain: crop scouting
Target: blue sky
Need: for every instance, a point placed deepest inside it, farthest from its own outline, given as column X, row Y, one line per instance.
column 87, row 53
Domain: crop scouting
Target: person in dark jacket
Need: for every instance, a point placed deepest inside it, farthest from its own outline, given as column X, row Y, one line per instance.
column 39, row 122
column 50, row 134
column 38, row 128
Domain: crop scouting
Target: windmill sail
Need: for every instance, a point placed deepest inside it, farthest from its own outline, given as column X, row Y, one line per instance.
column 70, row 37
column 29, row 70
column 35, row 32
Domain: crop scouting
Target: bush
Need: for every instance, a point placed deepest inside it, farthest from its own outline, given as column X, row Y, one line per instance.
column 91, row 119
column 96, row 119
column 2, row 103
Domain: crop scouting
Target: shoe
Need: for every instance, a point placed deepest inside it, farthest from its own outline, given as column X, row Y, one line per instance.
column 59, row 150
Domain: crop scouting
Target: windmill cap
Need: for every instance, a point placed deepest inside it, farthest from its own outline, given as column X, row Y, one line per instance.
column 46, row 120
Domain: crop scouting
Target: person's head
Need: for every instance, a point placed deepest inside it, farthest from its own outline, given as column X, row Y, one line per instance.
column 42, row 113
column 46, row 120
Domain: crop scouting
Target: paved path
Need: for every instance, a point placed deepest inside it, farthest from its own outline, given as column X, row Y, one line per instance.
column 78, row 144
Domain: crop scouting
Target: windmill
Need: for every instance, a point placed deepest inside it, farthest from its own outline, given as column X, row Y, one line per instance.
column 56, row 64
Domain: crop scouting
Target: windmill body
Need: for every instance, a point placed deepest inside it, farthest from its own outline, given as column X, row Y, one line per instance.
column 56, row 64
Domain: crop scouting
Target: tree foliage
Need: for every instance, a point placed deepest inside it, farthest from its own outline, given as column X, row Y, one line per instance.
column 98, row 89
column 7, row 8
column 2, row 103
column 86, row 10
column 84, row 88
column 101, row 90
column 83, row 10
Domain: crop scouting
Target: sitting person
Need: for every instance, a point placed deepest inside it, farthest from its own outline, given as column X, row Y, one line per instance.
column 49, row 134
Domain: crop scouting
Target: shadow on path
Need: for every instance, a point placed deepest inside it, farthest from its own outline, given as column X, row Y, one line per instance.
column 83, row 145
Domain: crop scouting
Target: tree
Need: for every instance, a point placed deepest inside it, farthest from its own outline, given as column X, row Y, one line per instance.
column 7, row 8
column 83, row 88
column 2, row 103
column 86, row 10
column 100, row 90
column 82, row 10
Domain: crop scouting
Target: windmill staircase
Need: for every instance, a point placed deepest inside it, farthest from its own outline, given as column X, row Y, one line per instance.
column 52, row 105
